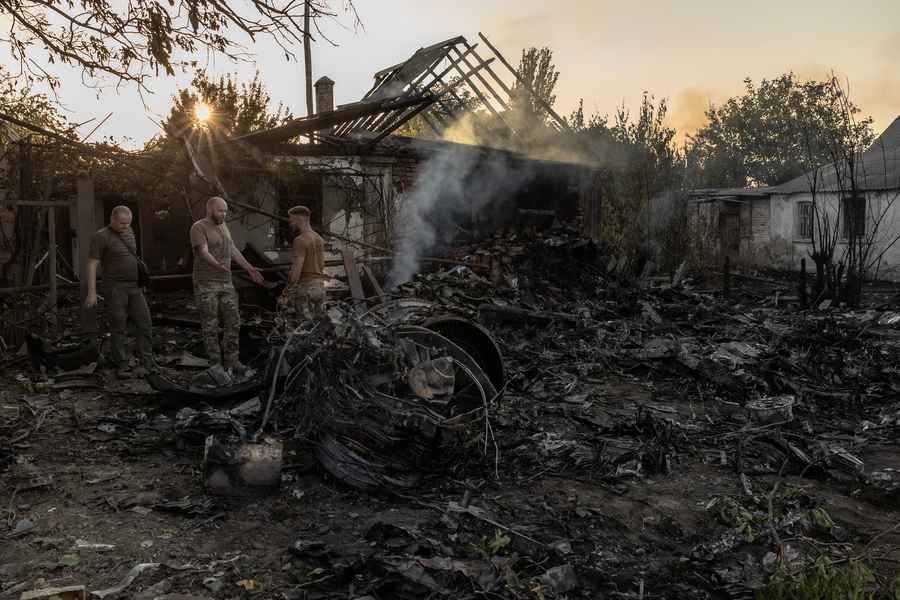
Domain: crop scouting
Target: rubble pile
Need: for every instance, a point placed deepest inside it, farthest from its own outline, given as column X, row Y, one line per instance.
column 547, row 424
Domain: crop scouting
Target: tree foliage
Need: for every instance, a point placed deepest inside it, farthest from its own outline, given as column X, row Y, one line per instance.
column 770, row 134
column 535, row 85
column 234, row 108
column 131, row 40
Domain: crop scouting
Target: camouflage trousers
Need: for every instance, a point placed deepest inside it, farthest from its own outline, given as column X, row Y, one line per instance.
column 301, row 301
column 218, row 303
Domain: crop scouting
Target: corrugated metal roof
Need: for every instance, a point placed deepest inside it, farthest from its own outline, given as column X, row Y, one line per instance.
column 877, row 169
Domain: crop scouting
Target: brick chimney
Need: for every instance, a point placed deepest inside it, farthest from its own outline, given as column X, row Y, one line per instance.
column 324, row 95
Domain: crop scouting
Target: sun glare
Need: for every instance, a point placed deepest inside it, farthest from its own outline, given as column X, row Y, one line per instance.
column 202, row 112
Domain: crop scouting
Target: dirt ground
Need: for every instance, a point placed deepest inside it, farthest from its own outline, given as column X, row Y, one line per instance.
column 602, row 482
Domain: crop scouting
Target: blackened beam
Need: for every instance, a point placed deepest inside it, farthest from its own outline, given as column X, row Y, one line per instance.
column 493, row 73
column 474, row 88
column 483, row 81
column 374, row 122
column 560, row 121
column 438, row 79
column 313, row 123
column 381, row 118
column 364, row 123
column 391, row 127
column 454, row 63
column 451, row 41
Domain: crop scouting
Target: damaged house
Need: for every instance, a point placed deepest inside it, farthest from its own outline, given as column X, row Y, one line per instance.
column 368, row 186
column 775, row 226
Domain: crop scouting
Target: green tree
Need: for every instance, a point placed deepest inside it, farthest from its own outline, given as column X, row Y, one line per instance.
column 234, row 108
column 534, row 86
column 647, row 170
column 757, row 138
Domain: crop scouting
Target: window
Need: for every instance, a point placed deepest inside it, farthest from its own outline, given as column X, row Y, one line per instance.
column 854, row 218
column 805, row 220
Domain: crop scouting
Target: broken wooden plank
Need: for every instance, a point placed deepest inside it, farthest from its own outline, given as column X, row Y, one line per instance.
column 370, row 277
column 353, row 280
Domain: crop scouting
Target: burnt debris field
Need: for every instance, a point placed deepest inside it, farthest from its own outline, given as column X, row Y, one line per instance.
column 537, row 424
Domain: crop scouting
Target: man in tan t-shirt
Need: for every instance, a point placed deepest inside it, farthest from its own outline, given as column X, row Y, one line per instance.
column 214, row 293
column 304, row 295
column 113, row 249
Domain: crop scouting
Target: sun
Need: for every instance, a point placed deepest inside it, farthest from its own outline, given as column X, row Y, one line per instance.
column 202, row 112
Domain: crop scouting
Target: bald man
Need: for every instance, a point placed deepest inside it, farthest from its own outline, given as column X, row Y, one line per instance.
column 114, row 250
column 214, row 292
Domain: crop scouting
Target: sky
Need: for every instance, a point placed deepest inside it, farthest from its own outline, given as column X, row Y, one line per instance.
column 691, row 53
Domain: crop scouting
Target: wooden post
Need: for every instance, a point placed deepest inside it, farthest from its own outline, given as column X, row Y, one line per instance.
column 353, row 280
column 726, row 277
column 307, row 59
column 51, row 256
column 85, row 228
column 803, row 283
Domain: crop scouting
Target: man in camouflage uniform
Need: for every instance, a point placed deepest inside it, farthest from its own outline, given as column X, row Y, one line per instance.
column 114, row 249
column 214, row 292
column 304, row 296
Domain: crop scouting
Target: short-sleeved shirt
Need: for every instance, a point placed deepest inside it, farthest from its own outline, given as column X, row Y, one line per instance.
column 117, row 262
column 218, row 240
column 312, row 246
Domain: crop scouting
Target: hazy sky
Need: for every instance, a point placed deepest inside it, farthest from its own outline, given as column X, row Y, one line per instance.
column 690, row 52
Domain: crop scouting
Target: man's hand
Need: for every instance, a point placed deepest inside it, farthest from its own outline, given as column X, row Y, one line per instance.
column 255, row 275
column 91, row 300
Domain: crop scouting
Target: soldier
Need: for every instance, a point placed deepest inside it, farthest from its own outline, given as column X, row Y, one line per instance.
column 304, row 296
column 213, row 290
column 114, row 248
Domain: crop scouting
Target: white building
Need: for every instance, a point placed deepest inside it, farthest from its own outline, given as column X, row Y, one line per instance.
column 774, row 226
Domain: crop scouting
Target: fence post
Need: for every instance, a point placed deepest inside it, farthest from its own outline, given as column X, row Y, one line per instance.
column 726, row 277
column 803, row 283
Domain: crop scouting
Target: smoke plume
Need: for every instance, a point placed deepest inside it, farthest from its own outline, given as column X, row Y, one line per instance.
column 457, row 183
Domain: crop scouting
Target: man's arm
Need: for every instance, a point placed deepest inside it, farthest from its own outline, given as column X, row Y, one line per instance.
column 254, row 273
column 91, row 300
column 202, row 251
column 299, row 259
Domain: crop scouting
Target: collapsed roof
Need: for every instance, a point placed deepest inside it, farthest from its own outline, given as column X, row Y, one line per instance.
column 420, row 85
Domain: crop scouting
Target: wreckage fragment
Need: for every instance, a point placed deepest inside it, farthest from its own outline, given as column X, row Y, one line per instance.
column 241, row 469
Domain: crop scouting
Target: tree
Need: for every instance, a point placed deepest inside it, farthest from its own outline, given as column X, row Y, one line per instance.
column 234, row 109
column 753, row 139
column 135, row 39
column 646, row 167
column 534, row 86
column 842, row 207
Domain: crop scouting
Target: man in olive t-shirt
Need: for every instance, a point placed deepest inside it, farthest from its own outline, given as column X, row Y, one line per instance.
column 304, row 296
column 113, row 248
column 214, row 293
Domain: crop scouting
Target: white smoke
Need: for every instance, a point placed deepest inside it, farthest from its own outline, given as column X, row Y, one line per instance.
column 459, row 181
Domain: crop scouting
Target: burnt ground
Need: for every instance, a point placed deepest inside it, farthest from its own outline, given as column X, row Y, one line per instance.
column 624, row 463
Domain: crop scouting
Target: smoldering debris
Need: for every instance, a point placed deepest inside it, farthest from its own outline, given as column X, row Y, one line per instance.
column 543, row 420
column 454, row 184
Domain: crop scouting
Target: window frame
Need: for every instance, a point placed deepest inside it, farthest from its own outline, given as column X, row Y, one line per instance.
column 859, row 222
column 798, row 229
